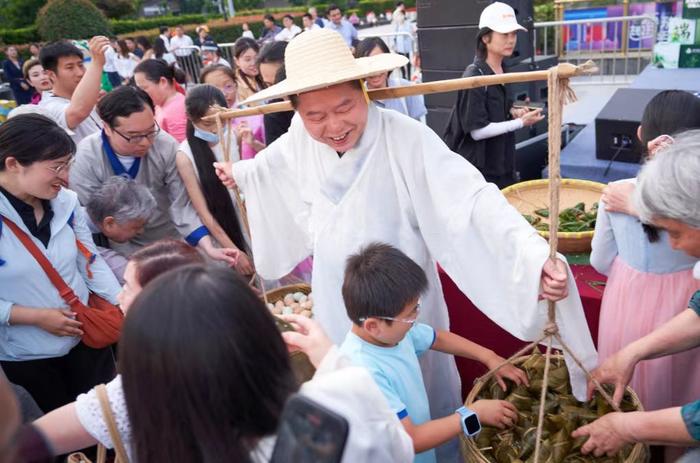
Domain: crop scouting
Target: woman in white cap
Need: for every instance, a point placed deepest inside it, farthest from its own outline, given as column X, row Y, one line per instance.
column 483, row 119
column 348, row 173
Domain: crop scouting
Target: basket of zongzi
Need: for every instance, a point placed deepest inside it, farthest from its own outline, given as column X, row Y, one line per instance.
column 578, row 203
column 296, row 298
column 563, row 414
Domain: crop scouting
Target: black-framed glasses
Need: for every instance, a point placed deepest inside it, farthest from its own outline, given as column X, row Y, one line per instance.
column 135, row 139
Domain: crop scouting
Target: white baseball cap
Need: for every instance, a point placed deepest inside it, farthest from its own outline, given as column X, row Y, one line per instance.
column 499, row 17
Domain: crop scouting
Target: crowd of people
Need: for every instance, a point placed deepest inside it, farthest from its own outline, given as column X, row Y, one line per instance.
column 121, row 198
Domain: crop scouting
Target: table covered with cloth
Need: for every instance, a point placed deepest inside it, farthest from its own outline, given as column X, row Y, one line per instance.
column 469, row 322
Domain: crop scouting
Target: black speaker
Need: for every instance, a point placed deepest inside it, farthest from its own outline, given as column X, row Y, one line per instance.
column 616, row 125
column 442, row 100
column 440, row 13
column 447, row 48
column 437, row 119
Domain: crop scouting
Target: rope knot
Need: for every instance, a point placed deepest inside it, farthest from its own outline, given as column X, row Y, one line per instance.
column 551, row 329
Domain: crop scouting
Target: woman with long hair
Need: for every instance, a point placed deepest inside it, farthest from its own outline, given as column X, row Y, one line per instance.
column 250, row 129
column 412, row 106
column 195, row 157
column 245, row 55
column 217, row 376
column 125, row 61
column 162, row 83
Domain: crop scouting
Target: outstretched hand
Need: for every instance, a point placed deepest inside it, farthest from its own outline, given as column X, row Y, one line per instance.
column 225, row 174
column 308, row 338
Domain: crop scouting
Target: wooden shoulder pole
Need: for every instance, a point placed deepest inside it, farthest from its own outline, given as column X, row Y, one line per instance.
column 564, row 70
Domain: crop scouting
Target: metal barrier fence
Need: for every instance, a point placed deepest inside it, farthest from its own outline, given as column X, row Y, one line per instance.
column 622, row 46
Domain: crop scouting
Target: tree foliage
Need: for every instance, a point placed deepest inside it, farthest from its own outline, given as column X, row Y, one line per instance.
column 71, row 19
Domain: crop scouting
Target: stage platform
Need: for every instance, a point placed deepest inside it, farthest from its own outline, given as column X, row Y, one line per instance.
column 578, row 157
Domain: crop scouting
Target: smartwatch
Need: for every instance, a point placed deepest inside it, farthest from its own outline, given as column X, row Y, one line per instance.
column 470, row 422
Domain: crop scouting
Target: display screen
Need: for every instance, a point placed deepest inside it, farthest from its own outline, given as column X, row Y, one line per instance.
column 472, row 424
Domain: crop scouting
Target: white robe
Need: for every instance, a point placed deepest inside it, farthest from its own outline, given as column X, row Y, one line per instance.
column 401, row 185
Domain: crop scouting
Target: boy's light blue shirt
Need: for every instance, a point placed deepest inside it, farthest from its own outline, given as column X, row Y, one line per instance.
column 397, row 373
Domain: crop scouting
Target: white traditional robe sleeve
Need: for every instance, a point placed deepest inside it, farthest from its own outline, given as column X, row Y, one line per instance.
column 375, row 432
column 401, row 185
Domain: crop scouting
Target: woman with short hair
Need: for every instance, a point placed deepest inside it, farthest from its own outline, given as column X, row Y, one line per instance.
column 483, row 119
column 41, row 348
column 36, row 77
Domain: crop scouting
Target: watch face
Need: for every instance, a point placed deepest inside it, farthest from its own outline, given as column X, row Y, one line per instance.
column 472, row 424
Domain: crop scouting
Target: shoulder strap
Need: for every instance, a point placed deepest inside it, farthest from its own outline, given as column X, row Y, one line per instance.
column 101, row 392
column 64, row 290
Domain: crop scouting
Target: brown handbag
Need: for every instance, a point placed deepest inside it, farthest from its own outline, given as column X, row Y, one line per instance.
column 102, row 321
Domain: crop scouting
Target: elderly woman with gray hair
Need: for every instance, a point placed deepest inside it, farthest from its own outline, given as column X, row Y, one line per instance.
column 667, row 196
column 118, row 211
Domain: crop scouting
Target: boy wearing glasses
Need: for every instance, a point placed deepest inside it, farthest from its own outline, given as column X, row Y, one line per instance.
column 381, row 291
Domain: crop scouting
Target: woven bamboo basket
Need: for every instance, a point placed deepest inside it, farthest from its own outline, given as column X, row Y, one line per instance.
column 534, row 194
column 303, row 369
column 471, row 453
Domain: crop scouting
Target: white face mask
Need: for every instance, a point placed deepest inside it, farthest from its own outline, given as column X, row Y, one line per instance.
column 206, row 135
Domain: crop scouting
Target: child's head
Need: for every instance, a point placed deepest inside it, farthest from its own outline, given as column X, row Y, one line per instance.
column 120, row 208
column 668, row 113
column 382, row 285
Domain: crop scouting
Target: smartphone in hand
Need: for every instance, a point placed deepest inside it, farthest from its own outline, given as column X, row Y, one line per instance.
column 309, row 432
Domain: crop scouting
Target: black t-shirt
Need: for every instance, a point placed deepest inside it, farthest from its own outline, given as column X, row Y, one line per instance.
column 475, row 109
column 41, row 230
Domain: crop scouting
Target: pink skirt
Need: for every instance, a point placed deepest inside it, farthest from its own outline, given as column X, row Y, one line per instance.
column 635, row 304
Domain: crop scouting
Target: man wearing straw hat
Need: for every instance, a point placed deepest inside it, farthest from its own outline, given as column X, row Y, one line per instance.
column 348, row 173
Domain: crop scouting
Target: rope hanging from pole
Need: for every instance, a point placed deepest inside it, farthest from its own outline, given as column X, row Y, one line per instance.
column 225, row 140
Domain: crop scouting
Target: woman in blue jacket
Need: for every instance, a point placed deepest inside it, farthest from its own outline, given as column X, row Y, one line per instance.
column 40, row 339
column 12, row 68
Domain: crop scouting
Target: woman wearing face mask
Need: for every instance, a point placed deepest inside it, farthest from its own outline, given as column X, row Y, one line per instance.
column 37, row 78
column 42, row 349
column 250, row 130
column 483, row 120
column 195, row 158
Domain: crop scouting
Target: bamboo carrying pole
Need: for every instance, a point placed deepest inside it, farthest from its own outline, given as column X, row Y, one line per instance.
column 564, row 70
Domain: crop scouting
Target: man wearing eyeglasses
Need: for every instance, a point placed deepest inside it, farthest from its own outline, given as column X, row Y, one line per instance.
column 132, row 144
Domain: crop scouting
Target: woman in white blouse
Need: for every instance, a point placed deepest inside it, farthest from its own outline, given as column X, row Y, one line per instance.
column 217, row 377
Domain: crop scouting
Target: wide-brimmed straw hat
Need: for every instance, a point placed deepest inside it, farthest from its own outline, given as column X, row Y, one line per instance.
column 321, row 58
